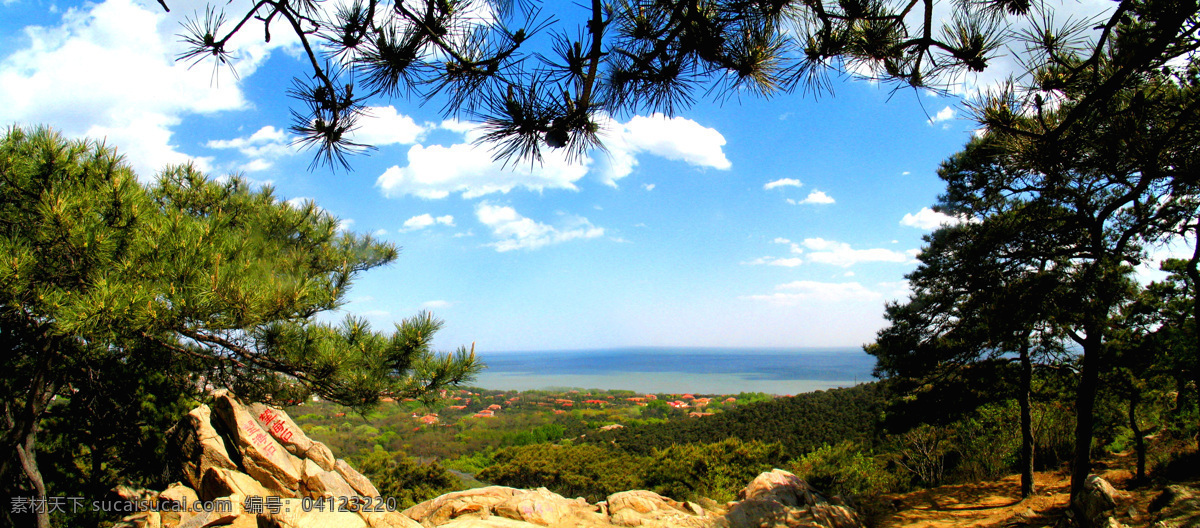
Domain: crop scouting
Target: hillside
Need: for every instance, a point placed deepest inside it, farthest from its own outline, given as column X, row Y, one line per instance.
column 997, row 503
column 802, row 423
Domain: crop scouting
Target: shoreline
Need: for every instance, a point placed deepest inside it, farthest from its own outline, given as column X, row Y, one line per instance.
column 658, row 383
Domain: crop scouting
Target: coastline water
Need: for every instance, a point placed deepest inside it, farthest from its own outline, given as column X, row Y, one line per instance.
column 679, row 370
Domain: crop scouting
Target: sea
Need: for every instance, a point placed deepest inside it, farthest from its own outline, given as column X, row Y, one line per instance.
column 782, row 371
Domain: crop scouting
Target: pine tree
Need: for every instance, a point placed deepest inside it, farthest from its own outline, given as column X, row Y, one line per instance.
column 538, row 81
column 210, row 278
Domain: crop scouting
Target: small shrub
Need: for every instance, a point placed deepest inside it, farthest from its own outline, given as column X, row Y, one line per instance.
column 845, row 469
column 716, row 471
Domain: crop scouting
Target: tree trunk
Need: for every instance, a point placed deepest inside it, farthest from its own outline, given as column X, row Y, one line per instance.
column 1026, row 389
column 25, row 453
column 1193, row 273
column 1139, row 443
column 1085, row 403
column 24, row 416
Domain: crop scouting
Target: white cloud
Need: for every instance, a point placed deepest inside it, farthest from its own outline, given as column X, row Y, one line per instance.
column 817, row 197
column 841, row 254
column 300, row 202
column 257, row 165
column 648, row 186
column 426, row 220
column 897, row 290
column 797, row 292
column 1178, row 247
column 781, row 240
column 905, row 173
column 944, row 114
column 466, row 128
column 777, row 261
column 929, row 220
column 267, row 140
column 109, row 72
column 383, row 125
column 437, row 171
column 782, row 182
column 518, row 232
column 263, row 147
column 673, row 138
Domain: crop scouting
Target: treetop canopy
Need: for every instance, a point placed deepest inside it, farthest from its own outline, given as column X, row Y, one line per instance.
column 216, row 272
column 537, row 81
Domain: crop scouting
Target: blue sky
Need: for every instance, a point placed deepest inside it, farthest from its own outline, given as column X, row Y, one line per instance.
column 753, row 223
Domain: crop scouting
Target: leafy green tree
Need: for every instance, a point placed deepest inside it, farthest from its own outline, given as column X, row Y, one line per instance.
column 1173, row 310
column 209, row 278
column 547, row 80
column 714, row 470
column 1109, row 148
column 405, row 479
column 571, row 470
column 983, row 293
column 845, row 469
column 109, row 430
column 1155, row 351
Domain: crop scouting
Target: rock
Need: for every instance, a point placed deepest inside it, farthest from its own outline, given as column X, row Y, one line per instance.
column 490, row 522
column 262, row 457
column 1023, row 515
column 1177, row 507
column 781, row 499
column 182, row 495
column 1097, row 500
column 646, row 508
column 546, row 508
column 197, row 446
column 781, row 486
column 388, row 519
column 184, row 499
column 290, row 436
column 1170, row 496
column 327, row 484
column 221, row 482
column 321, row 454
column 355, row 479
column 710, row 505
column 321, row 483
column 228, row 511
column 135, row 494
column 451, row 505
column 148, row 519
column 292, row 515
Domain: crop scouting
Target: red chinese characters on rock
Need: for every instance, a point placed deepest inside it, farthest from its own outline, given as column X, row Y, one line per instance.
column 271, row 420
column 259, row 439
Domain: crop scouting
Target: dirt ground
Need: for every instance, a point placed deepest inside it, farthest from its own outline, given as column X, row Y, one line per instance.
column 998, row 503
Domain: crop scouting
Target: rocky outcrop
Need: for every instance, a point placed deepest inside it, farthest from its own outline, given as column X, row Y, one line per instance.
column 197, row 446
column 649, row 509
column 1097, row 501
column 781, row 499
column 263, row 458
column 287, row 433
column 254, row 468
column 1176, row 507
